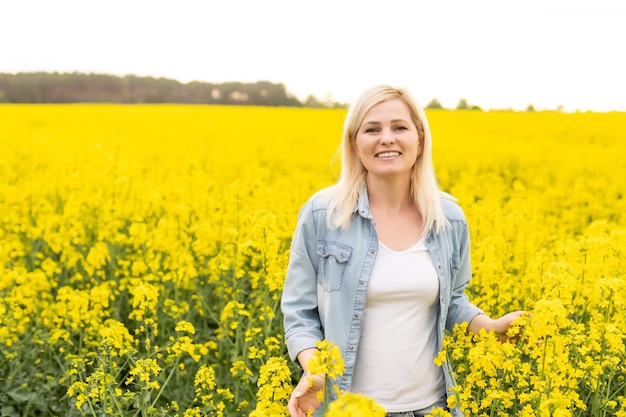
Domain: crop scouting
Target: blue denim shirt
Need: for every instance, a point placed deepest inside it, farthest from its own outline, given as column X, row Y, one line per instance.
column 329, row 270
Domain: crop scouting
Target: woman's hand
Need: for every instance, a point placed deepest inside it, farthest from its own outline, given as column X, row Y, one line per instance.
column 502, row 324
column 304, row 398
column 499, row 325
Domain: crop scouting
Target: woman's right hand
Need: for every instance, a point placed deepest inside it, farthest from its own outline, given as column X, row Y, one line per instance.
column 304, row 399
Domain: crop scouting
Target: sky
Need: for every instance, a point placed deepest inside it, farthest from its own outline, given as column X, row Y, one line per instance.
column 494, row 54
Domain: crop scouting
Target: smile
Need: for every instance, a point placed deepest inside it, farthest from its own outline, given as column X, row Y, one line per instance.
column 387, row 154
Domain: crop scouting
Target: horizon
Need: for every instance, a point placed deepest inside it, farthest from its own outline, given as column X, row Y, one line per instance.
column 559, row 108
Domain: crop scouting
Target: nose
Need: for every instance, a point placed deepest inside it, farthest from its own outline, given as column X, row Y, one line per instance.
column 386, row 137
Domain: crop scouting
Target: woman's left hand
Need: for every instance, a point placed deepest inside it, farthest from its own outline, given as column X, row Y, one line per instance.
column 499, row 325
column 502, row 324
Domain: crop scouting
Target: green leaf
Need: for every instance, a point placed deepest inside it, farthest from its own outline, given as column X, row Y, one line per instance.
column 20, row 396
column 8, row 411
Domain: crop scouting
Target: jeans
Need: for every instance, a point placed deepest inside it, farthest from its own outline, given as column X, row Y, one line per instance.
column 420, row 413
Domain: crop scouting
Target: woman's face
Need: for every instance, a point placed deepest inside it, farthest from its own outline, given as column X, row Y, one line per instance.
column 387, row 142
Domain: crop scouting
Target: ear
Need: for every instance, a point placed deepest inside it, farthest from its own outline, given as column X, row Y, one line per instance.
column 355, row 148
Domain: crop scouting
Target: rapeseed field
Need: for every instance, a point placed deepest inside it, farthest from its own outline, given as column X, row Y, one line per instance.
column 143, row 251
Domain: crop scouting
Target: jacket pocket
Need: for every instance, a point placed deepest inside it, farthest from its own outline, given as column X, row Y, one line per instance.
column 333, row 258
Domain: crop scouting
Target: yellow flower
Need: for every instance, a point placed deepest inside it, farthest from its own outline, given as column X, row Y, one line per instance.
column 326, row 360
column 185, row 326
column 143, row 371
column 97, row 257
column 439, row 412
column 354, row 405
column 204, row 379
column 274, row 383
column 441, row 358
column 145, row 300
column 239, row 369
column 451, row 401
column 77, row 389
column 116, row 334
column 184, row 344
column 256, row 353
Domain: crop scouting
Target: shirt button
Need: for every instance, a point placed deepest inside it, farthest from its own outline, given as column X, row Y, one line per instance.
column 344, row 378
column 356, row 315
column 340, row 256
column 350, row 347
column 372, row 251
column 323, row 252
column 360, row 282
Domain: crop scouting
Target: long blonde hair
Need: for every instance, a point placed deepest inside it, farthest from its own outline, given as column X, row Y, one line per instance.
column 424, row 189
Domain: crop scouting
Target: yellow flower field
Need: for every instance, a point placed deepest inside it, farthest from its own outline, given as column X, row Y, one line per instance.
column 143, row 250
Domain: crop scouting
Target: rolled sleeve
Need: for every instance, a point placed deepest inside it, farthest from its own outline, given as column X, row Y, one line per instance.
column 299, row 299
column 461, row 309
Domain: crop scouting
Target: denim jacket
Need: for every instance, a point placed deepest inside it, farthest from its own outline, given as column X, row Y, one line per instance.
column 329, row 270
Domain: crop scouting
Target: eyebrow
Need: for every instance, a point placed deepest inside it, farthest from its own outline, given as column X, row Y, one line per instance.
column 376, row 122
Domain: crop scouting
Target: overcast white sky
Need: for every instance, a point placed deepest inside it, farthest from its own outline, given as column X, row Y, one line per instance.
column 496, row 54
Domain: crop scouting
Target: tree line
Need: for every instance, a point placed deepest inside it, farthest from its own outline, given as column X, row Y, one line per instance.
column 462, row 105
column 44, row 87
column 76, row 87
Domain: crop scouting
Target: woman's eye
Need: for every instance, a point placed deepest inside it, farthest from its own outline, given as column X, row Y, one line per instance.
column 401, row 128
column 371, row 130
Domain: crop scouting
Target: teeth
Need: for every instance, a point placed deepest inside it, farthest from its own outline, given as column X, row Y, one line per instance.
column 387, row 154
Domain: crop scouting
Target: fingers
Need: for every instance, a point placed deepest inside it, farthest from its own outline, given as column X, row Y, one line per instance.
column 304, row 398
column 502, row 324
column 293, row 406
column 302, row 387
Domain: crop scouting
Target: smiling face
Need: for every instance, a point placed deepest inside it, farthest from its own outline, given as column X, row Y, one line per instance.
column 387, row 142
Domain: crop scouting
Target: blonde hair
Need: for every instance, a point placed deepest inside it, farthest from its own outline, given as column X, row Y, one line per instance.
column 424, row 188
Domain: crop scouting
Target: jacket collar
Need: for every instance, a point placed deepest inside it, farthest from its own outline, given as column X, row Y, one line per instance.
column 363, row 204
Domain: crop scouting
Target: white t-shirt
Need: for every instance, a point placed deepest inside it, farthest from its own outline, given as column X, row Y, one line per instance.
column 394, row 364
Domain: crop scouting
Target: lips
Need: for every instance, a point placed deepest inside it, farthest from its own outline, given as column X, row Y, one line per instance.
column 387, row 154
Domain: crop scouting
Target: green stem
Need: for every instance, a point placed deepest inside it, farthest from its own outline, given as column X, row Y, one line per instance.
column 174, row 367
column 93, row 412
column 325, row 399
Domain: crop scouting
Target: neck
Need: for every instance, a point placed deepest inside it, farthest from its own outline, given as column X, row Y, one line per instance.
column 390, row 194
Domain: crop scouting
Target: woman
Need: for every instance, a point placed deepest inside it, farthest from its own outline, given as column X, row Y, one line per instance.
column 379, row 263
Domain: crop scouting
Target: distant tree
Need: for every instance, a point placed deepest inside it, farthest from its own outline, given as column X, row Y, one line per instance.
column 434, row 104
column 328, row 102
column 530, row 108
column 463, row 105
column 312, row 101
